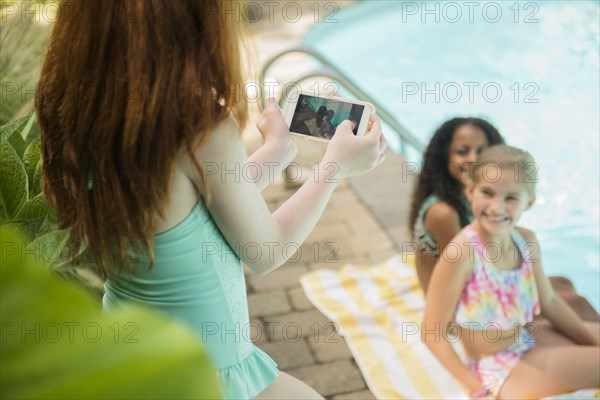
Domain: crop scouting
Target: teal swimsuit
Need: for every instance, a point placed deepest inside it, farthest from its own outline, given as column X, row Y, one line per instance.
column 426, row 243
column 197, row 278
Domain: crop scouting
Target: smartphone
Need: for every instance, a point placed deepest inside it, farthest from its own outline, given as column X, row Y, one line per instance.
column 317, row 118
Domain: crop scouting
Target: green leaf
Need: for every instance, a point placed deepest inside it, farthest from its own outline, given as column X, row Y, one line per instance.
column 25, row 132
column 17, row 125
column 30, row 227
column 34, row 208
column 46, row 227
column 37, row 179
column 50, row 245
column 17, row 143
column 31, row 158
column 58, row 344
column 13, row 182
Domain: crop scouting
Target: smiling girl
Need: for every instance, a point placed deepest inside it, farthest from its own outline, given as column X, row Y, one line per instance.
column 489, row 285
column 440, row 209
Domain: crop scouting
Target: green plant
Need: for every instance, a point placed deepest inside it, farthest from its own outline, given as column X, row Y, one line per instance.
column 21, row 197
column 25, row 27
column 22, row 204
column 57, row 343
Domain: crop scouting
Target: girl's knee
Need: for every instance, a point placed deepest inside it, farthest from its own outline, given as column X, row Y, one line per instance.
column 581, row 306
column 562, row 284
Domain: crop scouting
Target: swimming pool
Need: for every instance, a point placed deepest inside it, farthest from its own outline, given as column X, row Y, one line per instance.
column 532, row 69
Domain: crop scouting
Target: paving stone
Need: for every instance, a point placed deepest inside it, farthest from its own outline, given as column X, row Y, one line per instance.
column 274, row 205
column 362, row 224
column 377, row 258
column 257, row 332
column 369, row 204
column 347, row 259
column 298, row 324
column 367, row 243
column 329, row 347
column 360, row 395
column 288, row 354
column 299, row 300
column 314, row 252
column 393, row 219
column 344, row 197
column 328, row 232
column 334, row 214
column 266, row 304
column 332, row 378
column 275, row 191
column 402, row 239
column 286, row 276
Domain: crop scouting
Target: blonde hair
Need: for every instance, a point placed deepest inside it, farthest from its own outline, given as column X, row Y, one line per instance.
column 500, row 158
column 142, row 81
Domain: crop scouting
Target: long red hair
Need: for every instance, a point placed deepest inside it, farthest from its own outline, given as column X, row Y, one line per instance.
column 125, row 86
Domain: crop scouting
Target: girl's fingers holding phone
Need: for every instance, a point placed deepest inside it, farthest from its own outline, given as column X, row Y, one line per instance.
column 375, row 129
column 383, row 144
column 271, row 124
column 345, row 126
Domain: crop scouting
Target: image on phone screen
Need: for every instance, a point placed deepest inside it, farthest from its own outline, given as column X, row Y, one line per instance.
column 320, row 117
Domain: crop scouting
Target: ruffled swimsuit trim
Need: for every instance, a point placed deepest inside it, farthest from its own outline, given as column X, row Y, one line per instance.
column 248, row 378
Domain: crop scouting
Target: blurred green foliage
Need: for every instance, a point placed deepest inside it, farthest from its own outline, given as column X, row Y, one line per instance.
column 25, row 27
column 23, row 204
column 58, row 344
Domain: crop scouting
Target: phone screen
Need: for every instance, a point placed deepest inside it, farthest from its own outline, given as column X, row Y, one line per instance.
column 320, row 117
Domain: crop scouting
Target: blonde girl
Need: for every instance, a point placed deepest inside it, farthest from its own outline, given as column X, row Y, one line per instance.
column 489, row 285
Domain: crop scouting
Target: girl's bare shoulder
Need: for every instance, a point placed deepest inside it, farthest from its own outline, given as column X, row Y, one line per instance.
column 442, row 222
column 441, row 212
column 223, row 144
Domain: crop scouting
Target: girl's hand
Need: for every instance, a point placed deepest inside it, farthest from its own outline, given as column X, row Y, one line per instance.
column 354, row 155
column 275, row 131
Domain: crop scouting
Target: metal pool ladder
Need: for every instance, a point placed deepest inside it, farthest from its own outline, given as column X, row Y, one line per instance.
column 328, row 70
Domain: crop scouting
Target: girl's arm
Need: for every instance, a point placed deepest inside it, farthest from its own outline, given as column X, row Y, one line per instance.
column 445, row 287
column 443, row 222
column 264, row 241
column 277, row 151
column 554, row 308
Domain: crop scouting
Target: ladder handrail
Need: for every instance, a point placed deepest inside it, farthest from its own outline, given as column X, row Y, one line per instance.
column 330, row 71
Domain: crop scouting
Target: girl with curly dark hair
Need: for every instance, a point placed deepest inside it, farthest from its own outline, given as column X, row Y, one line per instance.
column 439, row 208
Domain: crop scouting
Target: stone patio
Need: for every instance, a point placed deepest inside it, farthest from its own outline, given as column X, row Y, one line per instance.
column 365, row 222
column 358, row 226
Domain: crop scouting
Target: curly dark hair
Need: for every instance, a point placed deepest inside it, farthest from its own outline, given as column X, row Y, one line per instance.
column 435, row 178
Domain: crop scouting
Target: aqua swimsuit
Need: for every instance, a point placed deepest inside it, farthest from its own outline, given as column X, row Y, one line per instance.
column 198, row 279
column 426, row 243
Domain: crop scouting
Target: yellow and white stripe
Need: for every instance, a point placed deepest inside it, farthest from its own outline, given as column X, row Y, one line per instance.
column 379, row 310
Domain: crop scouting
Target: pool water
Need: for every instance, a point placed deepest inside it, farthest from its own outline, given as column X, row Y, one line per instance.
column 531, row 69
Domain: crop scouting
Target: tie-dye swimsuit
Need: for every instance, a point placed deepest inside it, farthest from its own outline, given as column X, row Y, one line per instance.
column 499, row 299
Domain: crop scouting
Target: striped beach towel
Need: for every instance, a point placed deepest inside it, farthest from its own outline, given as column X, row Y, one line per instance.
column 379, row 309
